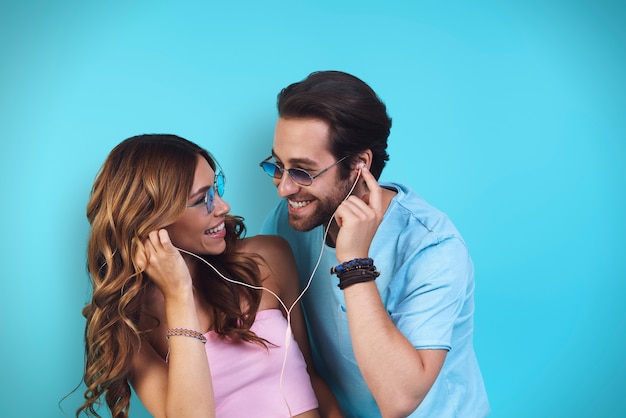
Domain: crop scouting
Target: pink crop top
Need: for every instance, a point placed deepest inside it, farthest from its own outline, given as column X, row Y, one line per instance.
column 246, row 376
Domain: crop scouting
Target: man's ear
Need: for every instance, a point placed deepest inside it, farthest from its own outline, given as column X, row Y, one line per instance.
column 363, row 160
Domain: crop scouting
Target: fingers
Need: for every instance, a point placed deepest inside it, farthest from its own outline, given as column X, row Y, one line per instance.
column 375, row 198
column 157, row 238
column 141, row 260
column 361, row 208
column 157, row 241
column 358, row 219
column 354, row 212
column 164, row 239
column 357, row 207
column 357, row 225
column 163, row 263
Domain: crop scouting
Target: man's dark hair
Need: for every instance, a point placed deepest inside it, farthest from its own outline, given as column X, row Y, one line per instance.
column 356, row 116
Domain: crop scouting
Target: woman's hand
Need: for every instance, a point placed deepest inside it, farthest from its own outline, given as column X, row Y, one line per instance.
column 183, row 387
column 358, row 220
column 164, row 263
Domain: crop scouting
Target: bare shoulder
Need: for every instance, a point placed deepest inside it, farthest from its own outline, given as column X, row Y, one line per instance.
column 272, row 248
column 278, row 266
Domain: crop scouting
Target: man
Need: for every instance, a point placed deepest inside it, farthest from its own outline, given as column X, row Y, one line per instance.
column 392, row 323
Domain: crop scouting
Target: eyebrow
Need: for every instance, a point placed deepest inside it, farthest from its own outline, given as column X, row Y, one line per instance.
column 198, row 193
column 304, row 161
column 201, row 191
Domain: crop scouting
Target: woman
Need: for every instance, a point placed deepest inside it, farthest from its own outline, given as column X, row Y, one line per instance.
column 166, row 314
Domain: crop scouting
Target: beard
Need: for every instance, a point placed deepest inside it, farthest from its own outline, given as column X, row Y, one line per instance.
column 326, row 207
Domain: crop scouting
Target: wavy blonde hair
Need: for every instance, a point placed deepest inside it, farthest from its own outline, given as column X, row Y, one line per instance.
column 142, row 186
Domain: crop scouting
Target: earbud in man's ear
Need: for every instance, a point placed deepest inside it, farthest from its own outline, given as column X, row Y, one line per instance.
column 360, row 165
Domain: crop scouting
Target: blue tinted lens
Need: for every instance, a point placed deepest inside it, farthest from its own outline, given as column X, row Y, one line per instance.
column 272, row 169
column 210, row 199
column 219, row 183
column 300, row 176
column 210, row 193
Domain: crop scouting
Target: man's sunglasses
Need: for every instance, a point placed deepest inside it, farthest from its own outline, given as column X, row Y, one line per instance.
column 298, row 175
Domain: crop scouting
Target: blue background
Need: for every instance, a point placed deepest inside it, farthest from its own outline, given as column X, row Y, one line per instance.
column 509, row 116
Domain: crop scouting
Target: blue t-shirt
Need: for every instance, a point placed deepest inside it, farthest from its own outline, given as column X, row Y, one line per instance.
column 426, row 284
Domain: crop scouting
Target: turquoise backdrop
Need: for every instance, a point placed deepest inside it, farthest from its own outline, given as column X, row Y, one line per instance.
column 509, row 116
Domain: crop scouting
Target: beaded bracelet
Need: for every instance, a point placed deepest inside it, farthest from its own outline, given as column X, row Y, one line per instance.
column 184, row 332
column 354, row 264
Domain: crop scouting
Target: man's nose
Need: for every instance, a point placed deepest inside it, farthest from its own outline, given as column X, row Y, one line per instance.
column 286, row 186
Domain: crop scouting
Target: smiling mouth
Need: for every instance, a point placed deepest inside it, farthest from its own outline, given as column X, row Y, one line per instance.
column 300, row 204
column 215, row 230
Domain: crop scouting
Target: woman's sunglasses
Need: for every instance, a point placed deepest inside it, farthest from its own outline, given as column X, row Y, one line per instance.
column 209, row 197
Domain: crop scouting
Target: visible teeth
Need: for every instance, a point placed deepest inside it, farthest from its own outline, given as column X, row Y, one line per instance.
column 216, row 229
column 298, row 205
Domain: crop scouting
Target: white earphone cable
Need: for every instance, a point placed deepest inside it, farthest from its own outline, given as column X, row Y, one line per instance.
column 295, row 302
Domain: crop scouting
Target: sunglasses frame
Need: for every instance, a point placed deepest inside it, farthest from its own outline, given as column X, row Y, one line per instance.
column 277, row 169
column 209, row 198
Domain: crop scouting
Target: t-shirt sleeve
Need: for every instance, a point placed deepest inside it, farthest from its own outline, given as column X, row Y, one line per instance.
column 438, row 284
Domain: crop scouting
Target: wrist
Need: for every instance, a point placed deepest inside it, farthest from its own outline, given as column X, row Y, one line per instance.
column 175, row 289
column 353, row 264
column 357, row 270
column 181, row 306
